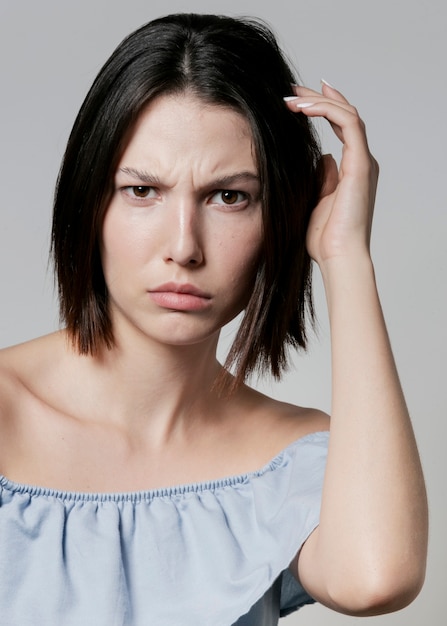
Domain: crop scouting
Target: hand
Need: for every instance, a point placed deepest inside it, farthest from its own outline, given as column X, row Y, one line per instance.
column 340, row 224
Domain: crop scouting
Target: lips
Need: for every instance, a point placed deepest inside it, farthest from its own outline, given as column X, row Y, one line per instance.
column 180, row 297
column 180, row 288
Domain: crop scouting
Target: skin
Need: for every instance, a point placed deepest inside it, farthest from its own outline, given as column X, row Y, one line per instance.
column 148, row 415
column 168, row 222
column 370, row 547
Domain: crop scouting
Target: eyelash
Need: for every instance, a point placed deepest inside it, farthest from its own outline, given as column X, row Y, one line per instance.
column 241, row 196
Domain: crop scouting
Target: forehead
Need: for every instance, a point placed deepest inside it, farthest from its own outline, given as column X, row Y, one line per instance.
column 182, row 131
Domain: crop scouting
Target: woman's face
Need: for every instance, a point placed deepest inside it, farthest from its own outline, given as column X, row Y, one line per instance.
column 183, row 231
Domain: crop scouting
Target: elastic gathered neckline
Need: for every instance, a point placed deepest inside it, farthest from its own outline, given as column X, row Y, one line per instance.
column 152, row 494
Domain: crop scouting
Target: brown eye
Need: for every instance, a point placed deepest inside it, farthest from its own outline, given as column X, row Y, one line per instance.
column 141, row 191
column 230, row 197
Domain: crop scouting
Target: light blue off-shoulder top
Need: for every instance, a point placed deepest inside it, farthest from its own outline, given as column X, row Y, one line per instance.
column 206, row 554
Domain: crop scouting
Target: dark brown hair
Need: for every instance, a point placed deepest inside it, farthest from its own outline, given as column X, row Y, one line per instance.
column 224, row 61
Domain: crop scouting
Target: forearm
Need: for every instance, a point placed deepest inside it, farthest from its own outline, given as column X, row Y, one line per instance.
column 368, row 553
column 373, row 520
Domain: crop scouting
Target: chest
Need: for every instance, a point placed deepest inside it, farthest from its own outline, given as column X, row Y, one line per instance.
column 68, row 455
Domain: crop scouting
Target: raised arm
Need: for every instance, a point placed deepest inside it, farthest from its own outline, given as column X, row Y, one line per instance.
column 368, row 554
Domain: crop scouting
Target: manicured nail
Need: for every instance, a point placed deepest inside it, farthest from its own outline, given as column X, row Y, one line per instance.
column 303, row 105
column 289, row 98
column 326, row 83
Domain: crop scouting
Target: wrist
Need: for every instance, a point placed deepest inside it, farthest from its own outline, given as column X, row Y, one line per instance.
column 348, row 273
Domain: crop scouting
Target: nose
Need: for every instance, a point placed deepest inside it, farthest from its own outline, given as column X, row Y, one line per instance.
column 184, row 240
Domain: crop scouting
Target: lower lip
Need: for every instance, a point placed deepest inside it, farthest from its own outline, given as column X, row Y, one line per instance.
column 179, row 301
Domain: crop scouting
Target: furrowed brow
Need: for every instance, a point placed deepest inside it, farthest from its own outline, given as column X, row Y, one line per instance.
column 218, row 183
column 141, row 175
column 233, row 179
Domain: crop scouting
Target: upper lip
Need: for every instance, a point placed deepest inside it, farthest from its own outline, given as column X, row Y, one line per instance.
column 181, row 288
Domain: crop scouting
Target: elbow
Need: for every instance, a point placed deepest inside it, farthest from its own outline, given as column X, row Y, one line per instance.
column 381, row 600
column 378, row 594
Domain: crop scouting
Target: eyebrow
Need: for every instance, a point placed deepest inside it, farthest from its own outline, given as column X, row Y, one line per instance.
column 143, row 176
column 221, row 182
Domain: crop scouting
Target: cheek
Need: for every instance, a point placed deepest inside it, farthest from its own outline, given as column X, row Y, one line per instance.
column 243, row 257
column 252, row 244
column 122, row 243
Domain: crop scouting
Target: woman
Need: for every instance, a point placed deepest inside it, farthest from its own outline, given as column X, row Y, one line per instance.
column 143, row 482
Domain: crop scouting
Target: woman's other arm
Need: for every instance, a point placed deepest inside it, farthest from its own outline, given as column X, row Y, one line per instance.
column 368, row 554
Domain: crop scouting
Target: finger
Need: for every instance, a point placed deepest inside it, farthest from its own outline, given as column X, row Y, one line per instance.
column 308, row 96
column 331, row 92
column 301, row 90
column 298, row 104
column 326, row 89
column 343, row 118
column 314, row 106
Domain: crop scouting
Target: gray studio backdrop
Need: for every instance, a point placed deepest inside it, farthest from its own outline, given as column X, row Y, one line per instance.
column 388, row 57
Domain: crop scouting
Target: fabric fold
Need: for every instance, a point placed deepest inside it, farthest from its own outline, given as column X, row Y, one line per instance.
column 199, row 554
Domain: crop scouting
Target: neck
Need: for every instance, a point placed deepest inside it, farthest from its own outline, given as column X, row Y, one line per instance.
column 158, row 386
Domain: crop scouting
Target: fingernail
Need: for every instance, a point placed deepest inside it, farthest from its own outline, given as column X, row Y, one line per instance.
column 303, row 105
column 326, row 83
column 289, row 98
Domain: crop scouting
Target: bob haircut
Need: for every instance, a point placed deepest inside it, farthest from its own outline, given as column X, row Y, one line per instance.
column 223, row 61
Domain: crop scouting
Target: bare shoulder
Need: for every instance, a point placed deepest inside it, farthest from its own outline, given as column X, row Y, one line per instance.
column 24, row 356
column 24, row 373
column 20, row 366
column 296, row 421
column 274, row 425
